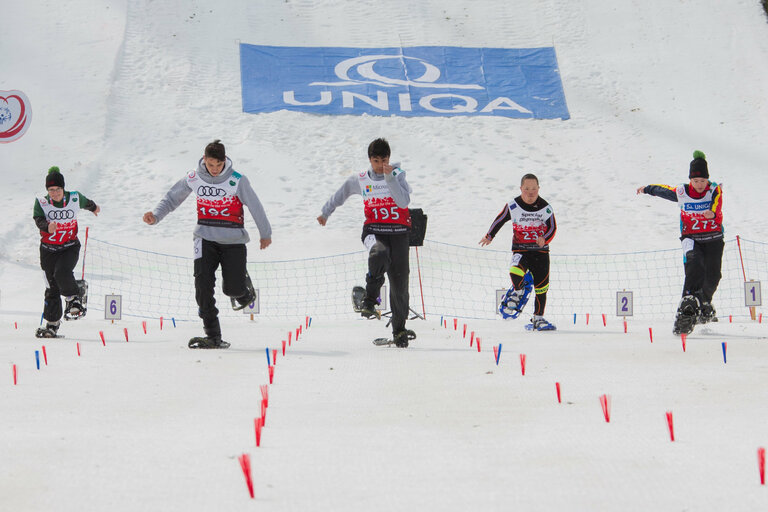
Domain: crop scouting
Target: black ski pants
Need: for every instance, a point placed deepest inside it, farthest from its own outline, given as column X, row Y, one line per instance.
column 232, row 258
column 702, row 268
column 58, row 267
column 537, row 263
column 389, row 254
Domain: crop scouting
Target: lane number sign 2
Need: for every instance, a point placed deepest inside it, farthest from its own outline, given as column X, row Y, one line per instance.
column 624, row 306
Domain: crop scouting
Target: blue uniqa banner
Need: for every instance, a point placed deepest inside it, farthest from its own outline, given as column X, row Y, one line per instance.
column 417, row 81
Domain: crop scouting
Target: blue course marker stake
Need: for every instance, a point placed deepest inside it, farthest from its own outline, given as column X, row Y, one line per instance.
column 37, row 358
column 174, row 322
column 723, row 344
column 574, row 319
column 441, row 320
column 310, row 322
column 498, row 355
column 269, row 360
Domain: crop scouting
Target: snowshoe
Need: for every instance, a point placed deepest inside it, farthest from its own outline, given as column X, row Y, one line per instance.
column 515, row 300
column 399, row 340
column 687, row 313
column 540, row 324
column 247, row 299
column 208, row 342
column 76, row 306
column 49, row 331
column 358, row 295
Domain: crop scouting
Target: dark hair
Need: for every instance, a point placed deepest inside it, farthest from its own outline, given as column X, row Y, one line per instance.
column 380, row 148
column 529, row 176
column 216, row 150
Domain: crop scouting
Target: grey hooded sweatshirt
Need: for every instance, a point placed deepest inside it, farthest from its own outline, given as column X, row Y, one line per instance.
column 223, row 235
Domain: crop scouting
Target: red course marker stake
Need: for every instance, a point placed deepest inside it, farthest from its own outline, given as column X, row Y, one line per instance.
column 478, row 344
column 683, row 337
column 557, row 388
column 78, row 349
column 465, row 330
column 161, row 323
column 271, row 374
column 604, row 324
column 45, row 356
column 587, row 318
column 103, row 341
column 760, row 463
column 283, row 348
column 671, row 426
column 125, row 330
column 289, row 337
column 522, row 363
column 496, row 354
column 455, row 324
column 625, row 326
column 263, row 412
column 245, row 465
column 471, row 338
column 257, row 429
column 144, row 326
column 605, row 402
column 650, row 333
column 14, row 375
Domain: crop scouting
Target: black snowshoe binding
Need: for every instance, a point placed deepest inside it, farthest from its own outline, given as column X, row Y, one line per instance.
column 77, row 306
column 687, row 313
column 707, row 313
column 49, row 331
column 247, row 299
column 360, row 305
column 208, row 342
column 400, row 339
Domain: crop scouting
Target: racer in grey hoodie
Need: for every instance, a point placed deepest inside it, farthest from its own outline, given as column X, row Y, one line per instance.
column 220, row 235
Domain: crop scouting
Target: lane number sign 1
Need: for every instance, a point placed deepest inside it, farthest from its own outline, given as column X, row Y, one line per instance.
column 752, row 294
column 624, row 305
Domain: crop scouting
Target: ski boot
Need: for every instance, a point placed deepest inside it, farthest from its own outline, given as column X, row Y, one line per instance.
column 707, row 313
column 515, row 300
column 369, row 311
column 687, row 312
column 207, row 342
column 247, row 299
column 49, row 331
column 539, row 323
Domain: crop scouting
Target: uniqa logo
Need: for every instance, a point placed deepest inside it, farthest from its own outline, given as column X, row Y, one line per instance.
column 364, row 67
column 15, row 115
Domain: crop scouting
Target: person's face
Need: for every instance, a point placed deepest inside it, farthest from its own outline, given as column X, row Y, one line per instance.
column 530, row 191
column 56, row 193
column 213, row 165
column 378, row 162
column 699, row 184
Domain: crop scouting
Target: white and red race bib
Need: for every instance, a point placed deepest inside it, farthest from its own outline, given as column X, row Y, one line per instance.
column 65, row 218
column 692, row 220
column 528, row 226
column 380, row 207
column 217, row 204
